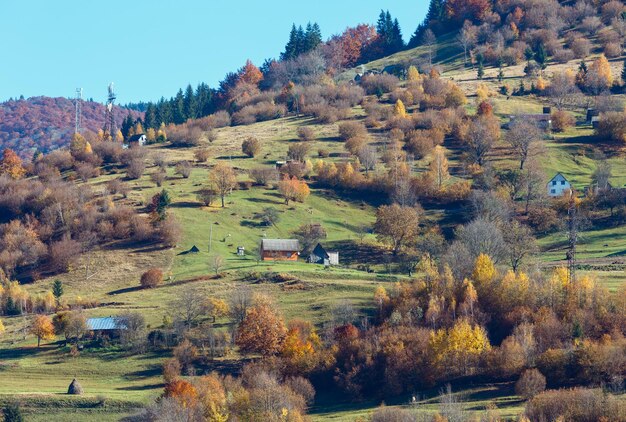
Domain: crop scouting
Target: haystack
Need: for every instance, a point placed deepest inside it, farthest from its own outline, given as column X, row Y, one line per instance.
column 75, row 388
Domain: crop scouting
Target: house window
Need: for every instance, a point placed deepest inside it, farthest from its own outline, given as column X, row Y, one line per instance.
column 554, row 183
column 552, row 190
column 562, row 182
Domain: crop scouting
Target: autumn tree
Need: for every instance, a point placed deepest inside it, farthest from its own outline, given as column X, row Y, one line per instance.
column 523, row 137
column 438, row 167
column 467, row 38
column 300, row 348
column 42, row 328
column 530, row 383
column 151, row 278
column 292, row 189
column 474, row 10
column 459, row 348
column 399, row 109
column 250, row 74
column 599, row 77
column 251, row 147
column 216, row 308
column 11, row 164
column 223, row 180
column 262, row 329
column 182, row 391
column 481, row 136
column 396, row 225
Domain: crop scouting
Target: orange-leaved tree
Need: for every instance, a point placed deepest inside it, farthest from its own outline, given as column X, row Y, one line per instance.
column 262, row 329
column 43, row 328
column 11, row 164
column 182, row 391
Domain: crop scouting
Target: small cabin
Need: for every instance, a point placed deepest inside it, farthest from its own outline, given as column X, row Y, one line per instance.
column 105, row 327
column 558, row 185
column 280, row 249
column 139, row 139
column 319, row 255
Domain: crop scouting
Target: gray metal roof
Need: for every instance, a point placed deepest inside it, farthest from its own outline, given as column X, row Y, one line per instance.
column 280, row 245
column 106, row 323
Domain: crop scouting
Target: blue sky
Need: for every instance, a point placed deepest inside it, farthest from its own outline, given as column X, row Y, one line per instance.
column 150, row 48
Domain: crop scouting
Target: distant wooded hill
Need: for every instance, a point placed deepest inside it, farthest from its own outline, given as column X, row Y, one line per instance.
column 45, row 124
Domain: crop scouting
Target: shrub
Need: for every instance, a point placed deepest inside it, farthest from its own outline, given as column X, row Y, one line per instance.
column 251, row 147
column 298, row 151
column 151, row 278
column 612, row 49
column 184, row 135
column 86, row 171
column 264, row 175
column 201, row 155
column 206, row 196
column 612, row 126
column 170, row 231
column 577, row 404
column 581, row 47
column 184, row 169
column 351, row 129
column 530, row 383
column 379, row 84
column 171, row 370
column 135, row 168
column 158, row 177
column 561, row 120
column 323, row 153
column 306, row 134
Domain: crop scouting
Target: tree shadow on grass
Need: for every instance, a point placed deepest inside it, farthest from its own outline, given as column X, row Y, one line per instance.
column 141, row 387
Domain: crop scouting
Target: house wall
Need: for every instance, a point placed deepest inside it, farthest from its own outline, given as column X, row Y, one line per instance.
column 558, row 186
column 279, row 256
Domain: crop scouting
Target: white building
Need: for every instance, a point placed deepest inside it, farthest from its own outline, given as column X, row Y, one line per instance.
column 557, row 185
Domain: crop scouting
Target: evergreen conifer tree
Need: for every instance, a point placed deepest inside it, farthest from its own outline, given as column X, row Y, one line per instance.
column 189, row 103
column 149, row 119
column 178, row 108
column 127, row 125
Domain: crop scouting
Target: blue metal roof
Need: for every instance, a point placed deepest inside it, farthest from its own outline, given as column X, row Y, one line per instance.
column 101, row 324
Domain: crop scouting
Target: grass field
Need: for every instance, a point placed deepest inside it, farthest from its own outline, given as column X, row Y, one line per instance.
column 117, row 383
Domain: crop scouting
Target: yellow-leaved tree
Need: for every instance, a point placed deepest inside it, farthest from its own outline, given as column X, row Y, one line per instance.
column 484, row 270
column 438, row 167
column 42, row 328
column 458, row 349
column 399, row 109
column 412, row 74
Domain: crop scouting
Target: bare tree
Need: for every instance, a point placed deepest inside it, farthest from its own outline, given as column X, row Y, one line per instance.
column 563, row 90
column 217, row 262
column 223, row 180
column 482, row 236
column 188, row 306
column 240, row 301
column 523, row 136
column 368, row 157
column 430, row 41
column 481, row 136
column 467, row 38
column 520, row 244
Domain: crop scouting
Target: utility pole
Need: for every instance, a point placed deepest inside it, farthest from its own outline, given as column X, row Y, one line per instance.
column 572, row 226
column 210, row 237
column 78, row 109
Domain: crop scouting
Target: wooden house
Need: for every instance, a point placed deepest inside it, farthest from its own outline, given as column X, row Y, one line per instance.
column 319, row 255
column 105, row 327
column 280, row 249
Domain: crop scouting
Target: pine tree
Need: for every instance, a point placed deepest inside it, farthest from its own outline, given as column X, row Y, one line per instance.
column 204, row 100
column 189, row 103
column 57, row 290
column 541, row 56
column 397, row 43
column 291, row 49
column 435, row 12
column 481, row 70
column 127, row 125
column 178, row 108
column 312, row 37
column 149, row 119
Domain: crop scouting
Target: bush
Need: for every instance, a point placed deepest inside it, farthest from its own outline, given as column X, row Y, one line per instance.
column 264, row 175
column 184, row 169
column 612, row 126
column 201, row 155
column 561, row 120
column 351, row 129
column 577, row 404
column 581, row 47
column 298, row 151
column 612, row 49
column 323, row 153
column 251, row 147
column 306, row 134
column 379, row 84
column 151, row 278
column 206, row 196
column 543, row 220
column 135, row 168
column 170, row 232
column 530, row 383
column 184, row 135
column 158, row 177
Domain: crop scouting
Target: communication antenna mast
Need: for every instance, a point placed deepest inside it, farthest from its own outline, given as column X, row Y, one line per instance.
column 79, row 110
column 572, row 226
column 109, row 119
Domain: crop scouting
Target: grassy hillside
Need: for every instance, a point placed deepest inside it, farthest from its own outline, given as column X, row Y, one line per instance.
column 116, row 383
